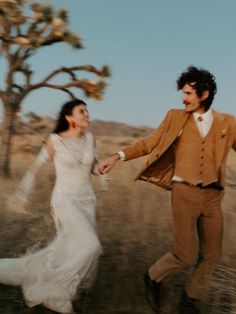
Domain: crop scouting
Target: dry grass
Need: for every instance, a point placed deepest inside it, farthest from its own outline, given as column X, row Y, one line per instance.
column 134, row 225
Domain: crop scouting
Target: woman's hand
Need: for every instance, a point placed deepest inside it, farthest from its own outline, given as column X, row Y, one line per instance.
column 105, row 165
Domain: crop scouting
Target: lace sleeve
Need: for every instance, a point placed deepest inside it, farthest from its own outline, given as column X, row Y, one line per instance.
column 103, row 177
column 95, row 170
column 95, row 166
column 20, row 198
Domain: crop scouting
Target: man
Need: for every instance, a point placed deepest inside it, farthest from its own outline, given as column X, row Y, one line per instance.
column 188, row 156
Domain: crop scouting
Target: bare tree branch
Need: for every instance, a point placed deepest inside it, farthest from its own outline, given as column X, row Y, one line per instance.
column 5, row 39
column 51, row 40
column 71, row 70
column 27, row 74
column 57, row 86
column 56, row 72
column 90, row 68
column 33, row 28
column 5, row 51
column 20, row 88
column 68, row 92
column 22, row 53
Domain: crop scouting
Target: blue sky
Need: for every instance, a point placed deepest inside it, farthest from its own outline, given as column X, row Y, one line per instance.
column 147, row 44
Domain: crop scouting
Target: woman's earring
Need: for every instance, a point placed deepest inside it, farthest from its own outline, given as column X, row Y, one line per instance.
column 73, row 124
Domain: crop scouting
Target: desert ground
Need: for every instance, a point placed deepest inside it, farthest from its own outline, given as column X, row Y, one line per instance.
column 134, row 225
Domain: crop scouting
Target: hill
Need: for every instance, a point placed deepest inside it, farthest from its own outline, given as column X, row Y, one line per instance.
column 32, row 123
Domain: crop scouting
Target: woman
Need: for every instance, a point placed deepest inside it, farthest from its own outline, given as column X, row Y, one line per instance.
column 52, row 275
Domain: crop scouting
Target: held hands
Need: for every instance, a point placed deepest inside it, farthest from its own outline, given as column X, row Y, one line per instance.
column 105, row 165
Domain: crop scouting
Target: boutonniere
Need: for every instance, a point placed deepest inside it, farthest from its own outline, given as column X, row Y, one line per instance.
column 223, row 133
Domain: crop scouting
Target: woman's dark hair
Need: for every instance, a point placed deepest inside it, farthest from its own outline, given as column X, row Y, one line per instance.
column 66, row 110
column 201, row 80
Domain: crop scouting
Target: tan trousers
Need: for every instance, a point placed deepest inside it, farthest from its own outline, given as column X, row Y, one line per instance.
column 198, row 225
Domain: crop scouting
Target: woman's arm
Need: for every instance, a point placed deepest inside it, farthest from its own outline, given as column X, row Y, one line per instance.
column 20, row 197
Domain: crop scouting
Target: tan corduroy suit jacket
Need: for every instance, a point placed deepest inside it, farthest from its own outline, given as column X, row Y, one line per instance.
column 159, row 167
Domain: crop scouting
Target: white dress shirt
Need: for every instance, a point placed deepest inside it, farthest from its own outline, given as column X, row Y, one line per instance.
column 206, row 123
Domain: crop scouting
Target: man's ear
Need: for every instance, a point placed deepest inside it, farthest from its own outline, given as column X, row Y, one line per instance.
column 205, row 95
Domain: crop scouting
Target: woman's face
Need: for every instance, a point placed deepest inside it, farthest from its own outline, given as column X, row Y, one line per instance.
column 80, row 116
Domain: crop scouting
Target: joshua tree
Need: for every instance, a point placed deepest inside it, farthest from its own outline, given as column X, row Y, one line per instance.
column 24, row 29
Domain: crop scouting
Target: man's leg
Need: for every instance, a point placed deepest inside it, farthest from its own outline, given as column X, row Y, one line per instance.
column 186, row 210
column 210, row 226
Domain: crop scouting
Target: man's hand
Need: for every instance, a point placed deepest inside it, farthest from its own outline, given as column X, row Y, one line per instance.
column 105, row 165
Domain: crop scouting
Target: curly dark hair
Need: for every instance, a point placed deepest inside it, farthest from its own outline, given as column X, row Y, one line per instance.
column 201, row 80
column 66, row 110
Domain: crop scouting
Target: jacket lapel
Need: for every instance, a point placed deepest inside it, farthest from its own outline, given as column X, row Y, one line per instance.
column 173, row 132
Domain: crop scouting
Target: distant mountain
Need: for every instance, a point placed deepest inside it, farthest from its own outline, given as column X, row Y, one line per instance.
column 112, row 128
column 33, row 124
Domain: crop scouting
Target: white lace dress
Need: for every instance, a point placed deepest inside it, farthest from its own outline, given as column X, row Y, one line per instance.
column 52, row 275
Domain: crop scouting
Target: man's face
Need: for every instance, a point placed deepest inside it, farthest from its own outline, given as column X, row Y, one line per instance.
column 191, row 100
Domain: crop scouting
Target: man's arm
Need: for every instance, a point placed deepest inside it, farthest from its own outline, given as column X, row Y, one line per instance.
column 146, row 145
column 140, row 148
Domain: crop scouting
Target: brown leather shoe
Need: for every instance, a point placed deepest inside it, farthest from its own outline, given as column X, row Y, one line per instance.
column 152, row 292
